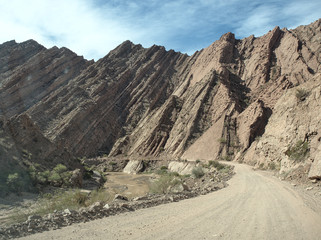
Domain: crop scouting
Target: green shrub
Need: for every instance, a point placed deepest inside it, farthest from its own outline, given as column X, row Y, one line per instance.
column 222, row 140
column 61, row 200
column 65, row 176
column 49, row 202
column 175, row 174
column 216, row 164
column 272, row 166
column 226, row 158
column 99, row 195
column 45, row 174
column 163, row 184
column 198, row 172
column 261, row 166
column 55, row 177
column 163, row 168
column 14, row 182
column 299, row 151
column 162, row 171
column 60, row 168
column 14, row 179
column 198, row 161
column 302, row 94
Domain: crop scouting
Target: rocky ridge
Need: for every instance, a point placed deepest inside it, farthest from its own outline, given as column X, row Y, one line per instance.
column 137, row 102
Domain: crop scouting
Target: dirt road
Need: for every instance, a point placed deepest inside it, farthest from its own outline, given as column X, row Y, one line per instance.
column 254, row 206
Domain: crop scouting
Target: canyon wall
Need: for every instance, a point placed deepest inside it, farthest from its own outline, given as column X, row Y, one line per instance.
column 220, row 103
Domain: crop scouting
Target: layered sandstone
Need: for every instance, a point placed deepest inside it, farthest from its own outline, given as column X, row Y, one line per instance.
column 139, row 102
column 293, row 120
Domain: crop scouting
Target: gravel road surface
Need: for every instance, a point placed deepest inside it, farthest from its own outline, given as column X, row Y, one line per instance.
column 255, row 205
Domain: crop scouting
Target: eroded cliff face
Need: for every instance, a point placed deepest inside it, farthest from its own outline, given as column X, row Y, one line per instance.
column 292, row 136
column 152, row 102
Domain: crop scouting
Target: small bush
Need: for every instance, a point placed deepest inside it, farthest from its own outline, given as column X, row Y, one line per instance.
column 299, row 151
column 175, row 174
column 60, row 168
column 55, row 177
column 14, row 179
column 162, row 172
column 198, row 172
column 99, row 195
column 60, row 200
column 226, row 158
column 302, row 94
column 163, row 184
column 272, row 166
column 14, row 182
column 222, row 140
column 216, row 164
column 163, row 168
column 198, row 161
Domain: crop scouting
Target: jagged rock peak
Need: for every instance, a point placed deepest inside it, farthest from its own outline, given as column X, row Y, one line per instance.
column 126, row 47
column 229, row 37
column 9, row 43
column 28, row 45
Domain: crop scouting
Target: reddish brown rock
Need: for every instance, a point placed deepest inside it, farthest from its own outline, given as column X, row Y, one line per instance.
column 149, row 101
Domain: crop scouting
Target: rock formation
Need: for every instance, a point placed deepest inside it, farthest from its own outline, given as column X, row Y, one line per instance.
column 292, row 136
column 139, row 102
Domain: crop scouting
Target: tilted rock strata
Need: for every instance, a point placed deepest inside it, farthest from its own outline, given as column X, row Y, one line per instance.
column 293, row 120
column 138, row 101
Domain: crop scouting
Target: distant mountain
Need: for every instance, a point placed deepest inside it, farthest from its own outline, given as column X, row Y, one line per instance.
column 137, row 102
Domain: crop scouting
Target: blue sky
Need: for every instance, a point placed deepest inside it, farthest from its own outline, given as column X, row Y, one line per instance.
column 94, row 27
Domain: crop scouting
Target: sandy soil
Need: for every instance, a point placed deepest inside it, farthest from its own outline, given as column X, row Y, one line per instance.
column 128, row 185
column 256, row 205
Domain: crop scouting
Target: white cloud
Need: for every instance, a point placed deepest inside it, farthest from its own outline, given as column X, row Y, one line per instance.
column 302, row 12
column 258, row 22
column 94, row 27
column 73, row 24
column 269, row 14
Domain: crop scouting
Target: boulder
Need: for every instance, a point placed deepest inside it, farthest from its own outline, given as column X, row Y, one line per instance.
column 95, row 207
column 182, row 168
column 178, row 188
column 120, row 197
column 76, row 178
column 134, row 167
column 315, row 170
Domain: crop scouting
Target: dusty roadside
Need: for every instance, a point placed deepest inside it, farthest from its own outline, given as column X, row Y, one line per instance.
column 256, row 205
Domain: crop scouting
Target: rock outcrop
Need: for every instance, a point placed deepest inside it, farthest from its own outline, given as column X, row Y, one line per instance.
column 139, row 102
column 134, row 167
column 292, row 136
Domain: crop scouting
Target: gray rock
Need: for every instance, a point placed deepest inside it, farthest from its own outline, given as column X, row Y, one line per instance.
column 95, row 207
column 96, row 174
column 120, row 197
column 134, row 167
column 219, row 185
column 178, row 188
column 66, row 212
column 76, row 178
column 140, row 198
column 34, row 217
column 315, row 170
